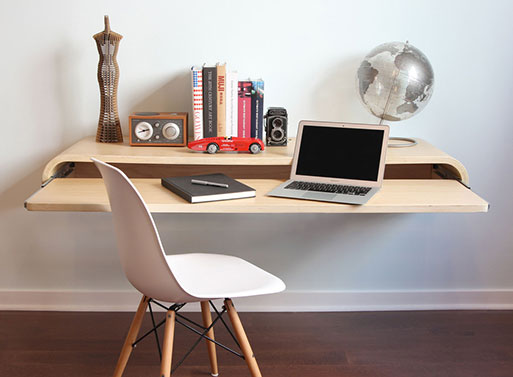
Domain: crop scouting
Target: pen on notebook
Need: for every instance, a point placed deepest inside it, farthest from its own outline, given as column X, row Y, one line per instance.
column 207, row 183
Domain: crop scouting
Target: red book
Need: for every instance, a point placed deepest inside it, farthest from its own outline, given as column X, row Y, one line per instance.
column 244, row 116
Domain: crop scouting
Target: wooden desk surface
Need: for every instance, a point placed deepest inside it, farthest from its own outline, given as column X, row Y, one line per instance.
column 416, row 189
column 396, row 196
column 83, row 150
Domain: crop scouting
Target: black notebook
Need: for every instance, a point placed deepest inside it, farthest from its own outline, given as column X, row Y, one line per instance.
column 196, row 193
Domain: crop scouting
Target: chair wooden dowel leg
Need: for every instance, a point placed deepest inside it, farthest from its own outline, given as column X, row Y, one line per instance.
column 167, row 348
column 211, row 347
column 131, row 337
column 242, row 338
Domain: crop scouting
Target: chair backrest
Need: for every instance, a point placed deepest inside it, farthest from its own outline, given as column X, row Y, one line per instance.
column 139, row 246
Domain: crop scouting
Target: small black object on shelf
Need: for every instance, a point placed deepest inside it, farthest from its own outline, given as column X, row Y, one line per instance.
column 276, row 126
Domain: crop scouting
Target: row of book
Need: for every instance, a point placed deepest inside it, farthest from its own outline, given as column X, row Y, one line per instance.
column 225, row 106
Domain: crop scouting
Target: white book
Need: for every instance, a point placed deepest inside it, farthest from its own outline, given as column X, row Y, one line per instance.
column 197, row 101
column 231, row 103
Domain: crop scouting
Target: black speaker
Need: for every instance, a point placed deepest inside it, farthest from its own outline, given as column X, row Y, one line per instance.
column 276, row 126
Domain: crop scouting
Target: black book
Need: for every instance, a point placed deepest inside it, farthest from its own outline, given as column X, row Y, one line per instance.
column 209, row 101
column 197, row 193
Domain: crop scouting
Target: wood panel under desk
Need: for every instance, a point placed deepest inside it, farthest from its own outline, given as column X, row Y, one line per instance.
column 396, row 196
column 88, row 170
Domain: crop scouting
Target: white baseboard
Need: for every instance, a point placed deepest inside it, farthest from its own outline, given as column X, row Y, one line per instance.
column 288, row 301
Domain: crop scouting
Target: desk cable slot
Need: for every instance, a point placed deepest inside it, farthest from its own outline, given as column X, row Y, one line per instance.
column 445, row 173
column 63, row 172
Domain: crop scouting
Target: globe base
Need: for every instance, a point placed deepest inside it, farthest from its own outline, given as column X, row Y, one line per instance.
column 403, row 142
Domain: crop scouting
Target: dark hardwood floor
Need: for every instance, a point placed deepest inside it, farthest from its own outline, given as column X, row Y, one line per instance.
column 378, row 344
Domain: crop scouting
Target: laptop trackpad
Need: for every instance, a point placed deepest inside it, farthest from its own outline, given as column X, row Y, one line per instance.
column 319, row 195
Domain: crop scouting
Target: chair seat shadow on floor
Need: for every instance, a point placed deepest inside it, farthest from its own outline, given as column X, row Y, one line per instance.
column 178, row 279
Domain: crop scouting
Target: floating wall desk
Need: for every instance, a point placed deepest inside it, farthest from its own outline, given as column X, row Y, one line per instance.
column 417, row 179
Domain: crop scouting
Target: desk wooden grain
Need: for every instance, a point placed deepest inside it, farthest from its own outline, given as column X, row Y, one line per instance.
column 396, row 196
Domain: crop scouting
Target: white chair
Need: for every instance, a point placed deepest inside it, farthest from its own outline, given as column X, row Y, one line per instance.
column 177, row 278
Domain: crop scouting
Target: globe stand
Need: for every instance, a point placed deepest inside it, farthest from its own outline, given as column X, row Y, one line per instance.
column 405, row 142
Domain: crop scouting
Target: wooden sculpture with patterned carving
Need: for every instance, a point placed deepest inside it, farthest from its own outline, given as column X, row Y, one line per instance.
column 109, row 126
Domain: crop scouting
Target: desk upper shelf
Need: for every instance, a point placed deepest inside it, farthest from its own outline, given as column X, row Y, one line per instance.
column 423, row 154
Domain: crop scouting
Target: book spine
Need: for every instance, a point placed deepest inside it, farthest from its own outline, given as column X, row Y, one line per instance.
column 260, row 118
column 257, row 109
column 209, row 102
column 177, row 191
column 231, row 103
column 197, row 102
column 221, row 99
column 244, row 109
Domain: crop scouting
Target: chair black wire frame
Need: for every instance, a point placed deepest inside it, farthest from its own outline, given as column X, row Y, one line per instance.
column 182, row 320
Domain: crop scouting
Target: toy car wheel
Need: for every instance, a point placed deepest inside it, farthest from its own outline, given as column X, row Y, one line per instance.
column 254, row 148
column 212, row 148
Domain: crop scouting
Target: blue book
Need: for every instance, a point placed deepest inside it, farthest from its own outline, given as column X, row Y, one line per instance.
column 257, row 109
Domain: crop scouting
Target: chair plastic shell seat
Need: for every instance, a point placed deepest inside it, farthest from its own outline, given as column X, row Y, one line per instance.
column 211, row 276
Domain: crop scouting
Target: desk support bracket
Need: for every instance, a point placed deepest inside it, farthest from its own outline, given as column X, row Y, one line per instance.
column 445, row 173
column 63, row 172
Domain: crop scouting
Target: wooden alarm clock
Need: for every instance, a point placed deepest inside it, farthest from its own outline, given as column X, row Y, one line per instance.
column 158, row 129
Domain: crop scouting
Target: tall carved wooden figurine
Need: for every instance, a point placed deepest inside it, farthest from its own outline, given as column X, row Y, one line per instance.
column 109, row 127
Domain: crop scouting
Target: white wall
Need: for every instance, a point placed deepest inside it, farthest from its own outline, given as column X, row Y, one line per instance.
column 307, row 52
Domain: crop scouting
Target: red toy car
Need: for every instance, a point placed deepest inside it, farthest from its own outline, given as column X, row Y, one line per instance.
column 214, row 144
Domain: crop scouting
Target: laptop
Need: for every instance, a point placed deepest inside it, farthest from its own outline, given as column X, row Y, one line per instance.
column 336, row 162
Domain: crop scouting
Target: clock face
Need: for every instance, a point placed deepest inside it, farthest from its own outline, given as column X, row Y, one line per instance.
column 158, row 129
column 143, row 130
column 171, row 131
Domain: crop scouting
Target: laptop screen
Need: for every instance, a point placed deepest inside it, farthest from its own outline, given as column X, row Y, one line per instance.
column 340, row 152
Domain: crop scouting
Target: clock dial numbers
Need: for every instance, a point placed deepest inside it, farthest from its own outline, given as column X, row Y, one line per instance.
column 143, row 130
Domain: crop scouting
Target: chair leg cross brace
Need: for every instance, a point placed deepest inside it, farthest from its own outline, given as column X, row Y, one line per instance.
column 174, row 307
column 172, row 317
column 154, row 330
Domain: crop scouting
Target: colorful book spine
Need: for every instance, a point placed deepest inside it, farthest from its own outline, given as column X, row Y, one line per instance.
column 197, row 101
column 257, row 109
column 221, row 99
column 244, row 109
column 209, row 101
column 231, row 103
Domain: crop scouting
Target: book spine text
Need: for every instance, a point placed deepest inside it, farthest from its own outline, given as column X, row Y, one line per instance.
column 209, row 102
column 244, row 108
column 221, row 99
column 231, row 103
column 197, row 102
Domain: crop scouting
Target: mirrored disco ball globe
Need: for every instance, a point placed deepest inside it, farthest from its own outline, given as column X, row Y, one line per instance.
column 395, row 81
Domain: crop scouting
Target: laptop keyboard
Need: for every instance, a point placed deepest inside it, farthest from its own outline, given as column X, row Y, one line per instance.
column 327, row 187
